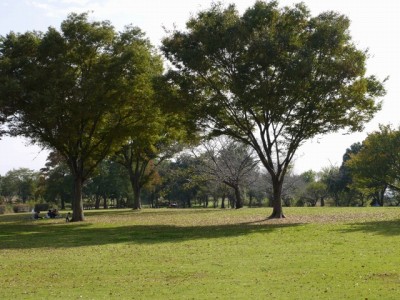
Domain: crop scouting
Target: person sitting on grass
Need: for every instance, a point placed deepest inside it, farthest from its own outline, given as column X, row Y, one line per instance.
column 53, row 213
column 36, row 215
column 56, row 214
column 49, row 214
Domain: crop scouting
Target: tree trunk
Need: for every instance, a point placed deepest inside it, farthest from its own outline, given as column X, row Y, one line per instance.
column 362, row 199
column 231, row 201
column 105, row 206
column 62, row 203
column 382, row 196
column 77, row 204
column 223, row 201
column 152, row 199
column 277, row 212
column 337, row 199
column 136, row 188
column 137, row 203
column 97, row 201
column 215, row 201
column 238, row 197
column 206, row 201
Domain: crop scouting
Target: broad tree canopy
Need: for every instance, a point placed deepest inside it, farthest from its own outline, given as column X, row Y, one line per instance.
column 376, row 166
column 77, row 90
column 162, row 132
column 272, row 78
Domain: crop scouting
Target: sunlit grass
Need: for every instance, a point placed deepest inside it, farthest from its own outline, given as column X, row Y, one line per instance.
column 315, row 253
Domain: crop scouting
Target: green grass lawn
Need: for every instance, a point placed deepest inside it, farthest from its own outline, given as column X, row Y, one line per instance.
column 315, row 253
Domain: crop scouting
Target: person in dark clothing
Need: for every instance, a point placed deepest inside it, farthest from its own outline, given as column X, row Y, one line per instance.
column 37, row 216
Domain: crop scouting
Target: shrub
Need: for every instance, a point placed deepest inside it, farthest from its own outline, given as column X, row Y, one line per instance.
column 300, row 203
column 42, row 207
column 17, row 208
column 6, row 209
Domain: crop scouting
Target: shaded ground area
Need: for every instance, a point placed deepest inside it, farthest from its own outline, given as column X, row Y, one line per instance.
column 65, row 236
column 165, row 226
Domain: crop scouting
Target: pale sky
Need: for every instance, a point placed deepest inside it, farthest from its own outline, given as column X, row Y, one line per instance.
column 375, row 25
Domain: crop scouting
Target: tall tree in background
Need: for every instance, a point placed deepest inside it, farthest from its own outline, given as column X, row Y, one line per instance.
column 4, row 111
column 228, row 162
column 58, row 180
column 20, row 183
column 110, row 183
column 2, row 119
column 180, row 180
column 272, row 78
column 376, row 166
column 339, row 182
column 140, row 161
column 150, row 142
column 160, row 133
column 75, row 90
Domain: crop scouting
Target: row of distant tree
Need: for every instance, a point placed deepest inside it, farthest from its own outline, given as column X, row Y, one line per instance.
column 221, row 173
column 270, row 79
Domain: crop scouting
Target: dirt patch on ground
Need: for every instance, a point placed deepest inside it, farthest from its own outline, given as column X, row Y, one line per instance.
column 326, row 218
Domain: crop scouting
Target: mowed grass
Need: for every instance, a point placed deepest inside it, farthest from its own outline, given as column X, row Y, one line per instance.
column 315, row 253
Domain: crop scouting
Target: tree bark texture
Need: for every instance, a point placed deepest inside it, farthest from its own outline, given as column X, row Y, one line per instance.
column 238, row 197
column 136, row 188
column 277, row 211
column 77, row 204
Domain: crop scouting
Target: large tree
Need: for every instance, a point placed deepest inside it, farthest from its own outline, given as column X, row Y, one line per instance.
column 272, row 78
column 75, row 90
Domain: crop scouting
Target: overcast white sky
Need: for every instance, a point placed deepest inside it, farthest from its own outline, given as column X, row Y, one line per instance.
column 374, row 25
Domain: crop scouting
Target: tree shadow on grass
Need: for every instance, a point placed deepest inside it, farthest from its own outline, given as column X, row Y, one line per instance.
column 387, row 228
column 22, row 218
column 146, row 212
column 83, row 234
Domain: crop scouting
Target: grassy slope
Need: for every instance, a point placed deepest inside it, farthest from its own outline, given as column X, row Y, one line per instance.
column 316, row 253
